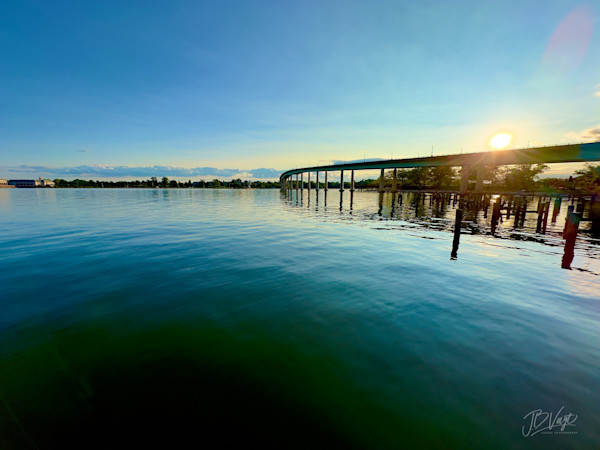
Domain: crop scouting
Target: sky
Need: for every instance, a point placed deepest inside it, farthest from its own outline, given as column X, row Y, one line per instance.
column 195, row 89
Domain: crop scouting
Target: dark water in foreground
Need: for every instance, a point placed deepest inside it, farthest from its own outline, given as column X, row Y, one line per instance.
column 218, row 317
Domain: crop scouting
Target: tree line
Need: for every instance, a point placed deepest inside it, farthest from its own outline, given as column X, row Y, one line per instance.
column 522, row 177
column 164, row 182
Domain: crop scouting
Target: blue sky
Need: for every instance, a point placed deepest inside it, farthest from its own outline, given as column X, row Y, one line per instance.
column 91, row 87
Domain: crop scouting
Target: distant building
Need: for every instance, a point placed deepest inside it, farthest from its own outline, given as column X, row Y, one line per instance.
column 31, row 183
column 22, row 183
column 4, row 184
column 47, row 183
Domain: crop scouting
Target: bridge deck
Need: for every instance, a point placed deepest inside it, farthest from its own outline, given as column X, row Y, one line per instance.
column 555, row 154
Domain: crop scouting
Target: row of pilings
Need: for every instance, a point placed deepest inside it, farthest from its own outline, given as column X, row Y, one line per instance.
column 514, row 208
column 510, row 210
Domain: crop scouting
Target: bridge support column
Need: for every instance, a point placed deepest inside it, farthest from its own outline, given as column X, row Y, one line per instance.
column 296, row 181
column 308, row 176
column 395, row 181
column 352, row 181
column 317, row 183
column 341, row 181
column 381, row 181
column 464, row 180
column 301, row 181
column 479, row 183
column 326, row 183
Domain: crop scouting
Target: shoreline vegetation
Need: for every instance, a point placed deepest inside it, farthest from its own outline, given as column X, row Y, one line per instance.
column 521, row 178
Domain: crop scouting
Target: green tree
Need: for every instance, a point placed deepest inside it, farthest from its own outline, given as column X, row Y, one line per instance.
column 589, row 177
column 523, row 176
column 442, row 177
column 418, row 177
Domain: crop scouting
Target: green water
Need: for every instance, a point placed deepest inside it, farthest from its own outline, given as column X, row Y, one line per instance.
column 220, row 318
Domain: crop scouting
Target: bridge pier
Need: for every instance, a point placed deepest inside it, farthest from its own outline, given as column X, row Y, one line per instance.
column 464, row 179
column 479, row 183
column 352, row 182
column 326, row 187
column 395, row 182
column 317, row 185
column 308, row 176
column 296, row 182
column 381, row 181
column 341, row 181
column 301, row 181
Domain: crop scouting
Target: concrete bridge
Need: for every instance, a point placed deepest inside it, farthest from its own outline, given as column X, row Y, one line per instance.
column 468, row 162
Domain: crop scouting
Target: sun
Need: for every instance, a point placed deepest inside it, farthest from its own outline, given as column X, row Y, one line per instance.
column 500, row 141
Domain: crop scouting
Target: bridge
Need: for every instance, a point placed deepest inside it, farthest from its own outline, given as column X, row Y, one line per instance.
column 468, row 162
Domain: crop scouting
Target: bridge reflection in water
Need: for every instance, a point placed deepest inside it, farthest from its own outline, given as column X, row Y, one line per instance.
column 560, row 221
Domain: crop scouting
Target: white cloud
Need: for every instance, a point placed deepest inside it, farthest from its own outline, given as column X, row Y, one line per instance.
column 107, row 171
column 588, row 135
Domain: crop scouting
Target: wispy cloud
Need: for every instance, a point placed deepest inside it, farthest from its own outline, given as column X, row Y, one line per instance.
column 84, row 151
column 339, row 161
column 588, row 135
column 106, row 171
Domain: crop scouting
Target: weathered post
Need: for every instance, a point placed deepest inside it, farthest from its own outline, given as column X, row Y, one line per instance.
column 351, row 183
column 556, row 209
column 308, row 176
column 341, row 183
column 518, row 206
column 595, row 215
column 545, row 220
column 571, row 227
column 495, row 215
column 541, row 208
column 570, row 209
column 456, row 240
column 523, row 212
column 326, row 187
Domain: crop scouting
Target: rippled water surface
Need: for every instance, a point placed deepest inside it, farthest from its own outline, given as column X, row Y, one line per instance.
column 163, row 316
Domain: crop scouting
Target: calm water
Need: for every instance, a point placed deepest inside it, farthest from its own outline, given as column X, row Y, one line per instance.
column 144, row 317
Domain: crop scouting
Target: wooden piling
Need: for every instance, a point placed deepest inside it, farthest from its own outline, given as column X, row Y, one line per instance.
column 571, row 229
column 523, row 212
column 556, row 209
column 595, row 215
column 570, row 210
column 545, row 218
column 496, row 215
column 456, row 240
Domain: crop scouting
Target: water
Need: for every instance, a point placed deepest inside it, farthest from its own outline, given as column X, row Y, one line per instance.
column 167, row 316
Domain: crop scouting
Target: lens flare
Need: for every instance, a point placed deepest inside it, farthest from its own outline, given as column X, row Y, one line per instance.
column 500, row 141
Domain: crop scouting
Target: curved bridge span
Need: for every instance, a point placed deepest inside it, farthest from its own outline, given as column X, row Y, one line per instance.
column 467, row 161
